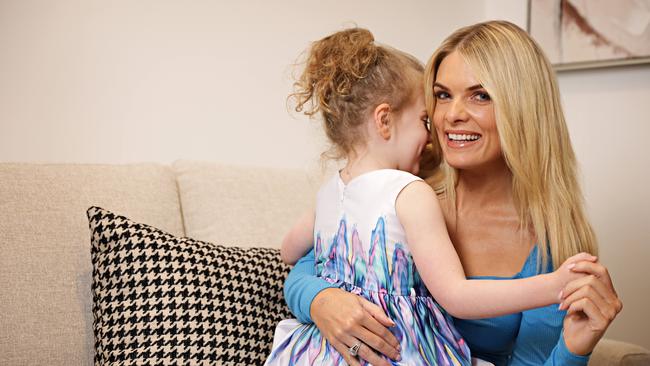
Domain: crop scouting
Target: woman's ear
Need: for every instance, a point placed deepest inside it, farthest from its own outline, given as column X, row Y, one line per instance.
column 381, row 119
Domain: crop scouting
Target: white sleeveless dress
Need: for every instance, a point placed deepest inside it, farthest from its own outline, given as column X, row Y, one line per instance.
column 361, row 247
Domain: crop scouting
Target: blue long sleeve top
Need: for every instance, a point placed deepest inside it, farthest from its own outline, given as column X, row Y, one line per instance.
column 532, row 337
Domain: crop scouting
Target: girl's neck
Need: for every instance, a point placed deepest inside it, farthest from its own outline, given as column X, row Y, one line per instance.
column 359, row 163
column 484, row 187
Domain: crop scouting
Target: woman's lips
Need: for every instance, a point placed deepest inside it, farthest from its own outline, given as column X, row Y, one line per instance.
column 460, row 140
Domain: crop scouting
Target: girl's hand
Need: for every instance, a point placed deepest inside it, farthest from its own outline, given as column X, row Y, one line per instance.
column 565, row 273
column 345, row 319
column 592, row 304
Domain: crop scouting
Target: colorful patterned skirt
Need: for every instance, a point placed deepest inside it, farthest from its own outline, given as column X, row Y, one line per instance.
column 425, row 332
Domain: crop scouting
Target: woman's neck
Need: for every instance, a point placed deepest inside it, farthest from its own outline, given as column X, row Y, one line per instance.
column 484, row 188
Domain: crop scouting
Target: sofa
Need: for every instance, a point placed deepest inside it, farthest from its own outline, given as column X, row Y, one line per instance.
column 46, row 271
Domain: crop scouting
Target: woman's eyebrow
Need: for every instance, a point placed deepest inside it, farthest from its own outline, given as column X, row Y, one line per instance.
column 471, row 88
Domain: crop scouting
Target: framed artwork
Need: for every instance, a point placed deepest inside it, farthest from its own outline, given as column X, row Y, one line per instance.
column 578, row 34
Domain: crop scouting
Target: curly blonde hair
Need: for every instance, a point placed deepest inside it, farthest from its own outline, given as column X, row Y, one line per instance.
column 345, row 76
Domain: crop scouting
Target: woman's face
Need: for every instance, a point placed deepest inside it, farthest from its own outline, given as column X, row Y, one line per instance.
column 464, row 116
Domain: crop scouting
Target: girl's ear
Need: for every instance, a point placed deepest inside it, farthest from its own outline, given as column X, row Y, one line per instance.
column 381, row 119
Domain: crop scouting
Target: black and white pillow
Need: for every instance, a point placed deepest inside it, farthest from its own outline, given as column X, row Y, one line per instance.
column 160, row 299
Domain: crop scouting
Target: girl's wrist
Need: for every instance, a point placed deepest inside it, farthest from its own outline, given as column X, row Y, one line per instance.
column 557, row 286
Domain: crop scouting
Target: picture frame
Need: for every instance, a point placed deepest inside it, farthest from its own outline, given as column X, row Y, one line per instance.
column 582, row 34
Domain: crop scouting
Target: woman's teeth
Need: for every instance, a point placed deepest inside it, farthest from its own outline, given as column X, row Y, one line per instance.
column 463, row 137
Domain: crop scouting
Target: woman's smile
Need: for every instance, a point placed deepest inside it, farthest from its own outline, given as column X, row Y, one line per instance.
column 458, row 139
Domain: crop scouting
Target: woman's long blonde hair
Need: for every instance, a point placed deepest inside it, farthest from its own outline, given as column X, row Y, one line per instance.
column 532, row 131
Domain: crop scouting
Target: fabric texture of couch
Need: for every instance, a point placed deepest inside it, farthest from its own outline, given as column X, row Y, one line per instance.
column 45, row 243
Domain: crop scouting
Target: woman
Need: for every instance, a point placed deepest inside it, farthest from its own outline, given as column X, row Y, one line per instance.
column 512, row 203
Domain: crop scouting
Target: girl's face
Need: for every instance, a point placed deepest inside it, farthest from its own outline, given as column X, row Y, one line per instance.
column 464, row 116
column 412, row 135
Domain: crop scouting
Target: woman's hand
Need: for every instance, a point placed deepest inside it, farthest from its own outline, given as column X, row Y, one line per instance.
column 345, row 319
column 592, row 304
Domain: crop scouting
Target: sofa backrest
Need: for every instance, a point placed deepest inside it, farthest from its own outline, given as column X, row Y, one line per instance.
column 242, row 206
column 45, row 268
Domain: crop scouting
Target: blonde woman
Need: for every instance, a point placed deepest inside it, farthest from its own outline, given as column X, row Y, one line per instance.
column 511, row 202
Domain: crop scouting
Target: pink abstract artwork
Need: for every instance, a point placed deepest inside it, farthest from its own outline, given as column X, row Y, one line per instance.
column 591, row 33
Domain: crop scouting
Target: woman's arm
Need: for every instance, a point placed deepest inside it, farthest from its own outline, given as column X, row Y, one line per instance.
column 302, row 286
column 440, row 268
column 299, row 239
column 539, row 340
column 341, row 317
column 541, row 337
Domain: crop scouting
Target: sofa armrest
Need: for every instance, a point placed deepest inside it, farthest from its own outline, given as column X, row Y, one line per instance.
column 615, row 353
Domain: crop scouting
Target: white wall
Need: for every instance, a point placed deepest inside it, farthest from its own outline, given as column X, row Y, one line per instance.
column 124, row 81
column 608, row 112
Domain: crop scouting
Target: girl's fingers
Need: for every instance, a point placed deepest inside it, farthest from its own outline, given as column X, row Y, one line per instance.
column 583, row 256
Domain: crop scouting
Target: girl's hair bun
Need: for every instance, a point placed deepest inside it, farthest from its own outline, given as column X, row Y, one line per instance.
column 332, row 67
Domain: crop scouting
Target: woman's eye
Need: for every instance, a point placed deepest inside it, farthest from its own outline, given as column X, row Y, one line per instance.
column 442, row 95
column 482, row 97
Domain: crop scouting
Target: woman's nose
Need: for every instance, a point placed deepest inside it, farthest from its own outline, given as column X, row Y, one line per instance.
column 456, row 111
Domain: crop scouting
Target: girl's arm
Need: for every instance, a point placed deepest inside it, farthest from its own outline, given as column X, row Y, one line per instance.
column 439, row 266
column 299, row 239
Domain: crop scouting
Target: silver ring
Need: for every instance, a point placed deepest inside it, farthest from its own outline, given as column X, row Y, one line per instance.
column 354, row 350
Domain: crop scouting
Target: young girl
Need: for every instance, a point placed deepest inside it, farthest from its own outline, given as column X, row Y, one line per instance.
column 375, row 221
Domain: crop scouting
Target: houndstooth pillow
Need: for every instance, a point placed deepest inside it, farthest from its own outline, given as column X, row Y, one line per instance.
column 159, row 299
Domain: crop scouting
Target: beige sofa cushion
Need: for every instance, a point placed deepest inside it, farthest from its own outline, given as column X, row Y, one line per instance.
column 610, row 352
column 45, row 268
column 242, row 206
